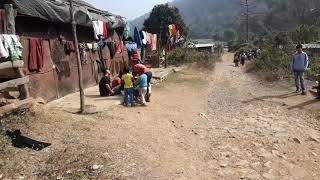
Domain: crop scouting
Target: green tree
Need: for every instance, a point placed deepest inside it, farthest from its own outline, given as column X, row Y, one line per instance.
column 229, row 35
column 161, row 17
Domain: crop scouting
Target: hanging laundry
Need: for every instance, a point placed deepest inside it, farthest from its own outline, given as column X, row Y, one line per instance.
column 144, row 38
column 126, row 33
column 13, row 46
column 154, row 42
column 105, row 30
column 89, row 46
column 4, row 53
column 102, row 43
column 177, row 39
column 137, row 38
column 83, row 53
column 95, row 46
column 35, row 54
column 170, row 30
column 171, row 43
column 112, row 49
column 119, row 46
column 63, row 69
column 151, row 41
column 148, row 38
column 69, row 47
column 174, row 30
column 61, row 38
column 98, row 28
column 131, row 46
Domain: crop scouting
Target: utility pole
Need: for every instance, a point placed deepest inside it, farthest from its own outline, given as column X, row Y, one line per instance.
column 74, row 31
column 247, row 8
column 247, row 5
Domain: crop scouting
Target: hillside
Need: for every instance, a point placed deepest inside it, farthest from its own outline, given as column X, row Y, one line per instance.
column 204, row 19
column 211, row 18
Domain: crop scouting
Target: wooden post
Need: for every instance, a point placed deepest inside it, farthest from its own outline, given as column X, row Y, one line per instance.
column 159, row 50
column 9, row 28
column 165, row 58
column 74, row 31
column 9, row 24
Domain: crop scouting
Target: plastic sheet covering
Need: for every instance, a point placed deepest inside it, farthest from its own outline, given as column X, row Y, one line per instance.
column 58, row 11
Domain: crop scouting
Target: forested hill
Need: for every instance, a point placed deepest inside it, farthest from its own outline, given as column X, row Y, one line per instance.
column 211, row 18
column 205, row 18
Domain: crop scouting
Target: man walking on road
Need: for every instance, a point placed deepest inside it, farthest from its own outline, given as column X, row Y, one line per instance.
column 300, row 63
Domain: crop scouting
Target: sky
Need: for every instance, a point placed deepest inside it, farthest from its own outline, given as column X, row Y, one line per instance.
column 129, row 9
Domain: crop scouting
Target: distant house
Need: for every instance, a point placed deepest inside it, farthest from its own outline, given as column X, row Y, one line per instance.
column 311, row 46
column 208, row 45
column 49, row 20
column 205, row 47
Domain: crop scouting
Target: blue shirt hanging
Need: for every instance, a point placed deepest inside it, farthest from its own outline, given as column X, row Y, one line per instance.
column 137, row 38
column 126, row 33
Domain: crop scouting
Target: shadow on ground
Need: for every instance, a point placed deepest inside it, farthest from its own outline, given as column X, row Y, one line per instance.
column 282, row 96
column 301, row 105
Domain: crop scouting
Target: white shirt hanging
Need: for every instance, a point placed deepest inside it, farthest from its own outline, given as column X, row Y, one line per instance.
column 98, row 28
column 4, row 52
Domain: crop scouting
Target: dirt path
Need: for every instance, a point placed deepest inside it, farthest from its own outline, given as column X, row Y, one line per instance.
column 259, row 130
column 237, row 128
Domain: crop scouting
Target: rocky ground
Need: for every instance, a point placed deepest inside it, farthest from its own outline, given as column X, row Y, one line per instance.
column 222, row 124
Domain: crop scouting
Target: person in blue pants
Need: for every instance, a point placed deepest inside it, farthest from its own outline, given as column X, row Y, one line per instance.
column 127, row 78
column 300, row 62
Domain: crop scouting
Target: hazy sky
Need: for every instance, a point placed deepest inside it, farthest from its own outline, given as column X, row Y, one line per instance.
column 127, row 8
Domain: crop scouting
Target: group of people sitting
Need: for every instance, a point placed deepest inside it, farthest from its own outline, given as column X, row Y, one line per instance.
column 134, row 83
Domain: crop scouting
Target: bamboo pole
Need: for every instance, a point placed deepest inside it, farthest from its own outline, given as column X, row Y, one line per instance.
column 74, row 31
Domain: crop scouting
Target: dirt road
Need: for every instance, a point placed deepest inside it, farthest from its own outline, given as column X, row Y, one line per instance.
column 222, row 124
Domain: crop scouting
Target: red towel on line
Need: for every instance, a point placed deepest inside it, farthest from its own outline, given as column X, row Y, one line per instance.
column 174, row 30
column 119, row 46
column 69, row 47
column 105, row 30
column 35, row 54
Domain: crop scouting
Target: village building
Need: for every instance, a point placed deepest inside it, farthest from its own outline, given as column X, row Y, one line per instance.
column 46, row 23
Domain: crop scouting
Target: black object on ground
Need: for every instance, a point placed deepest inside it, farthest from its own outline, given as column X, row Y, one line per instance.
column 20, row 141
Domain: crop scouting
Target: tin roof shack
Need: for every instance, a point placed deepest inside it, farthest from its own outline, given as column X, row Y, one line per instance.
column 313, row 51
column 49, row 21
column 205, row 47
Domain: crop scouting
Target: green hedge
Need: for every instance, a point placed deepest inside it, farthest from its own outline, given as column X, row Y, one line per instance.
column 181, row 56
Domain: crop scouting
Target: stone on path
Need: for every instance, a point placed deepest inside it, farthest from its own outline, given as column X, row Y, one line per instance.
column 314, row 138
column 297, row 140
column 223, row 165
column 255, row 165
column 267, row 156
column 96, row 167
column 267, row 164
column 268, row 176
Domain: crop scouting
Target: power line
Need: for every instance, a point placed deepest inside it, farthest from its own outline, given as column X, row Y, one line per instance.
column 247, row 6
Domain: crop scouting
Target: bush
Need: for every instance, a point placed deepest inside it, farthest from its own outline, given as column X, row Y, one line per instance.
column 237, row 45
column 277, row 50
column 181, row 56
column 273, row 63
